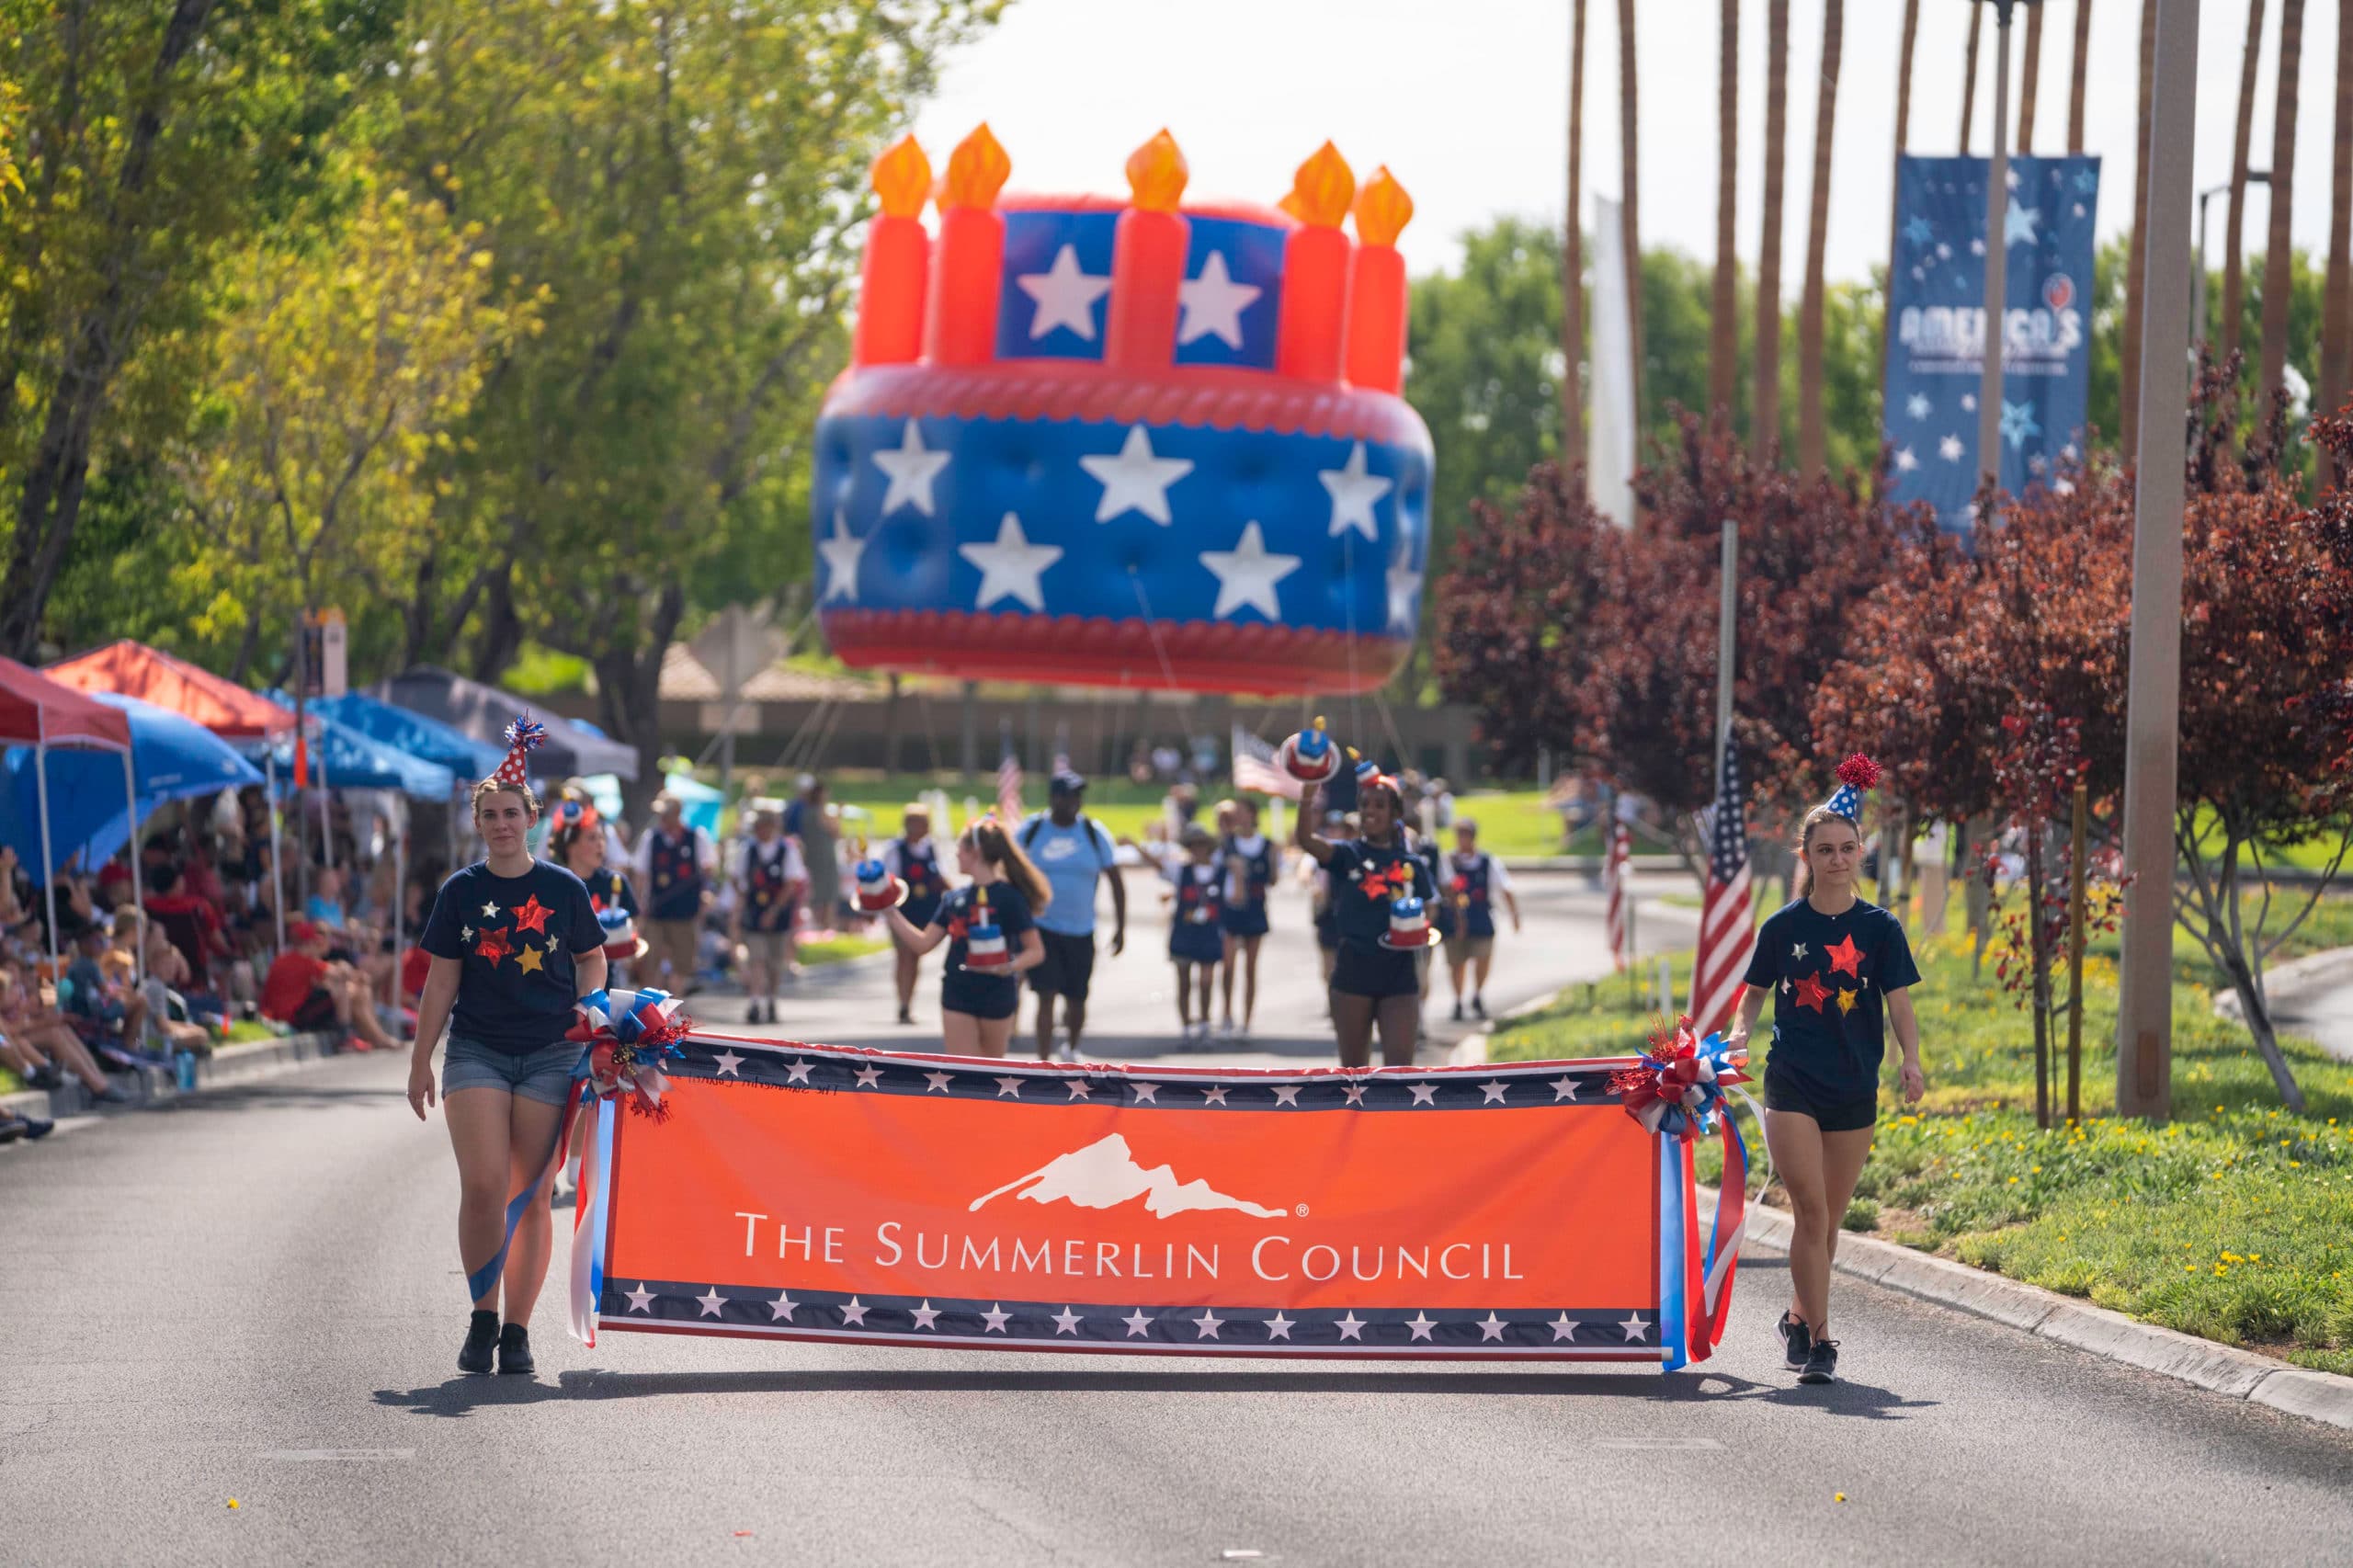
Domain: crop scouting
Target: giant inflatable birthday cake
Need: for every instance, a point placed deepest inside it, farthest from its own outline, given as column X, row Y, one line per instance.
column 1139, row 443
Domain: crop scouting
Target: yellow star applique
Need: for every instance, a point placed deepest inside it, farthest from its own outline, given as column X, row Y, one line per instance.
column 1845, row 1000
column 527, row 959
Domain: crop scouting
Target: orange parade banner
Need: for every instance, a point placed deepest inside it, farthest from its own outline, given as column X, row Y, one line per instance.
column 812, row 1192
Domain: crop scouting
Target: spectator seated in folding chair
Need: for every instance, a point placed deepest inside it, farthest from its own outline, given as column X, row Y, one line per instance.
column 304, row 990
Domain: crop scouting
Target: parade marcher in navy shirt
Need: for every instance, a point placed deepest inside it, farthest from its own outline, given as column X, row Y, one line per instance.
column 579, row 847
column 514, row 943
column 1004, row 890
column 1468, row 882
column 1371, row 984
column 1251, row 864
column 1838, row 969
column 769, row 881
column 914, row 858
column 674, row 863
column 1196, row 896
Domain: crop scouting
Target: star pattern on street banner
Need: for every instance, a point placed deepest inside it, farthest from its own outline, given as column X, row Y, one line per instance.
column 1935, row 312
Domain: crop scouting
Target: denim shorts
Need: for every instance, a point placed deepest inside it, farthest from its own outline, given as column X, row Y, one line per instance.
column 544, row 1075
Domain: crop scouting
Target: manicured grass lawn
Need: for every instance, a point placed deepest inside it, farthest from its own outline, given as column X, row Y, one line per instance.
column 839, row 949
column 2235, row 1220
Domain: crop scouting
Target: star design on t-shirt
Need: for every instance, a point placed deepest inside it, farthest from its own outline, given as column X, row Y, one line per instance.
column 1845, row 1000
column 1845, row 957
column 1812, row 993
column 466, row 934
column 493, row 945
column 490, row 911
column 1797, row 949
column 532, row 915
column 529, row 960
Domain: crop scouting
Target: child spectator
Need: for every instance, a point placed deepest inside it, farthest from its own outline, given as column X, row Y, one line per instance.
column 31, row 1027
column 304, row 991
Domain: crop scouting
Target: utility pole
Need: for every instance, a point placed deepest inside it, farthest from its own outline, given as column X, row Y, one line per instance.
column 2152, row 704
column 1997, row 255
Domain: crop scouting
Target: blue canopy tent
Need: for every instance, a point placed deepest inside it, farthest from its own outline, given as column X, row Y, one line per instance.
column 700, row 805
column 415, row 733
column 347, row 759
column 172, row 758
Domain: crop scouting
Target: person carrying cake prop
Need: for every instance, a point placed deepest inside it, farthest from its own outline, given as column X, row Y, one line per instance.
column 1252, row 863
column 1379, row 899
column 913, row 859
column 991, row 929
column 769, row 881
column 1196, row 934
column 514, row 944
column 1838, row 971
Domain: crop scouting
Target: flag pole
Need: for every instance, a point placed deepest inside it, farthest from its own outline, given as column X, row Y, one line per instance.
column 1728, row 599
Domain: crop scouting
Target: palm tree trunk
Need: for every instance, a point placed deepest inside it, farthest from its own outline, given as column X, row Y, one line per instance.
column 2031, row 79
column 1573, row 265
column 1766, row 434
column 2078, row 67
column 1629, row 165
column 1723, row 310
column 2234, row 226
column 2279, row 249
column 1903, row 139
column 1969, row 76
column 1811, row 438
column 2129, row 356
column 2336, row 299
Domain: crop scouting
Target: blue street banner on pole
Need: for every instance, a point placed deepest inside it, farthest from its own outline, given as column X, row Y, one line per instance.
column 1937, row 316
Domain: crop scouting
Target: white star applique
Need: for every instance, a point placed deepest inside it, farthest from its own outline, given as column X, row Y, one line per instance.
column 1135, row 481
column 1562, row 1328
column 1012, row 566
column 912, row 467
column 781, row 1307
column 1354, row 494
column 928, row 1315
column 712, row 1302
column 1354, row 1092
column 1279, row 1327
column 854, row 1313
column 936, row 1083
column 992, row 1320
column 490, row 911
column 1213, row 1095
column 1008, row 1087
column 1287, row 1094
column 841, row 554
column 1405, row 592
column 728, row 1062
column 1423, row 1094
column 1491, row 1092
column 1079, row 1088
column 468, row 933
column 1066, row 1322
column 1062, row 296
column 1636, row 1330
column 1209, row 1322
column 1351, row 1327
column 798, row 1071
column 1564, row 1090
column 1137, row 1322
column 1213, row 304
column 639, row 1299
column 1246, row 575
column 1491, row 1327
column 1147, row 1094
column 868, row 1076
column 1421, row 1325
column 1797, row 949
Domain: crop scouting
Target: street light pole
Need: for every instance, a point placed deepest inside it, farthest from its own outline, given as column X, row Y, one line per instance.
column 2198, row 283
column 2152, row 706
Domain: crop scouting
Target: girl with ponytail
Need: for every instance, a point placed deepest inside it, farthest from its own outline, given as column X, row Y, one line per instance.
column 999, row 904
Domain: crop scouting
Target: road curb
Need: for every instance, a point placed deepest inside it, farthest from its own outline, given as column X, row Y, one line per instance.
column 2311, row 972
column 150, row 1086
column 2223, row 1369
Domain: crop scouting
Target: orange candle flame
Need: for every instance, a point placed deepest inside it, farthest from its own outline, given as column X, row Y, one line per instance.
column 1157, row 173
column 1382, row 209
column 976, row 170
column 901, row 178
column 1322, row 190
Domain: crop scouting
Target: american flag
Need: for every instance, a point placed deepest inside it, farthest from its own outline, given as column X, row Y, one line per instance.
column 1727, row 924
column 1254, row 768
column 1008, row 789
column 1621, row 848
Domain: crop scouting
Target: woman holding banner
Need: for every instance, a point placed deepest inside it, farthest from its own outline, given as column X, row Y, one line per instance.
column 1374, row 980
column 514, row 943
column 1838, row 971
column 990, row 928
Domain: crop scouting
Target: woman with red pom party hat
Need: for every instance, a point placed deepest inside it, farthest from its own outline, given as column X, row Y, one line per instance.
column 515, row 942
column 1838, row 972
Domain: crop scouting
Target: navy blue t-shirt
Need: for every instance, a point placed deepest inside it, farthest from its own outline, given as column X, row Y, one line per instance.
column 1827, row 973
column 1367, row 878
column 516, row 937
column 982, row 994
column 608, row 889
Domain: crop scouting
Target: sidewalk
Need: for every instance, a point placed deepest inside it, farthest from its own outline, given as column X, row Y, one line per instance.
column 2312, row 996
column 239, row 1063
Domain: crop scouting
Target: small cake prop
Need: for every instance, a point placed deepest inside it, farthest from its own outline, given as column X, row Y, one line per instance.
column 1409, row 926
column 985, row 949
column 878, row 890
column 1309, row 756
column 621, row 941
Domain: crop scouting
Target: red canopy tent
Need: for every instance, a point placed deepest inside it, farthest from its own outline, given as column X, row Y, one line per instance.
column 152, row 676
column 40, row 712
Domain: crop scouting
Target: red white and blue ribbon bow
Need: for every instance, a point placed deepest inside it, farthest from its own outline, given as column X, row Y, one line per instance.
column 1679, row 1088
column 626, row 1034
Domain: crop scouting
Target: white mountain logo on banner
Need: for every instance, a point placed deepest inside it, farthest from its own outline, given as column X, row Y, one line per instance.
column 1105, row 1175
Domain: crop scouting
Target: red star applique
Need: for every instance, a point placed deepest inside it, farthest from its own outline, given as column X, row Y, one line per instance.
column 1812, row 993
column 493, row 945
column 958, row 927
column 1846, row 958
column 533, row 916
column 596, row 902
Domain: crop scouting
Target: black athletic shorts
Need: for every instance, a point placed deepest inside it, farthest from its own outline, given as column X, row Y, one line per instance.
column 1847, row 1113
column 1366, row 969
column 1068, row 967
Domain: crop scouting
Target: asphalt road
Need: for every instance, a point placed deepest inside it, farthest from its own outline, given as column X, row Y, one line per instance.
column 256, row 1296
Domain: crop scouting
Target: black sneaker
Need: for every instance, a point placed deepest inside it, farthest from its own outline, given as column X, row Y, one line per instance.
column 36, row 1127
column 1821, row 1363
column 515, row 1348
column 1458, row 1009
column 1796, row 1341
column 906, row 1016
column 1478, row 1007
column 482, row 1338
column 11, row 1129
